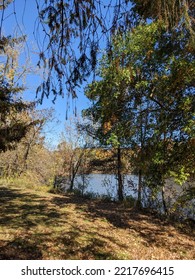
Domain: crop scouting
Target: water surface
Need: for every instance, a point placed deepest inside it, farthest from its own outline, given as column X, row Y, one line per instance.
column 106, row 184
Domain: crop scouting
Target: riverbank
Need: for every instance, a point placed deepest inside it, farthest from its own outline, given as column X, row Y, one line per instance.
column 36, row 224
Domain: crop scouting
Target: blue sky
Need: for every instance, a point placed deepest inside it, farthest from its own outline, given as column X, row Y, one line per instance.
column 23, row 23
column 19, row 19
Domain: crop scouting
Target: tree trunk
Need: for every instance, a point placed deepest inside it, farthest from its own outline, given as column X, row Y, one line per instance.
column 71, row 184
column 142, row 136
column 138, row 202
column 119, row 175
column 25, row 157
column 163, row 172
column 74, row 170
column 72, row 176
column 163, row 201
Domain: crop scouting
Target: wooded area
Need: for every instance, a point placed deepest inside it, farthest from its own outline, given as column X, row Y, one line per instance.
column 140, row 121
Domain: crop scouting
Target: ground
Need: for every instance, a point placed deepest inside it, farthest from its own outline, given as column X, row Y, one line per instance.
column 36, row 224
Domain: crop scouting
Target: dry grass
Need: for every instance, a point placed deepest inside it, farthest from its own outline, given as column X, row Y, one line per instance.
column 35, row 224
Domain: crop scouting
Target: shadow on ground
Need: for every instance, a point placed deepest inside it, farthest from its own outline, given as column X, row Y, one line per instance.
column 34, row 226
column 152, row 229
column 20, row 214
column 20, row 248
column 23, row 209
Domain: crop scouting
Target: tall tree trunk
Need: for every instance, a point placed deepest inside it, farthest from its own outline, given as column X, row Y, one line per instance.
column 25, row 157
column 119, row 175
column 72, row 177
column 163, row 200
column 163, row 172
column 27, row 151
column 71, row 183
column 142, row 136
column 74, row 169
column 138, row 202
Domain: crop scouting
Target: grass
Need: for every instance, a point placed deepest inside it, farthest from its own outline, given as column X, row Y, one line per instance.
column 36, row 224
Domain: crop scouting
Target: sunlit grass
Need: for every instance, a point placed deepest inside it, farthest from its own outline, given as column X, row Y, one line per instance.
column 36, row 224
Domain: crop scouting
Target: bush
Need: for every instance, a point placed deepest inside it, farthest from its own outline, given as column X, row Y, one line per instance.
column 129, row 201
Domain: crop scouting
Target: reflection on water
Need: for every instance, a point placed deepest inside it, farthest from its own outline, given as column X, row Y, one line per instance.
column 106, row 184
column 177, row 199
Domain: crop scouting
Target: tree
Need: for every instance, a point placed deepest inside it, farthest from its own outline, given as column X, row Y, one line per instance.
column 142, row 73
column 73, row 32
column 72, row 154
column 30, row 160
column 12, row 128
column 166, row 80
column 172, row 13
column 109, row 110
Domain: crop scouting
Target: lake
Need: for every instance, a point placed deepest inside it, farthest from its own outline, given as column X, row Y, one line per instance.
column 106, row 184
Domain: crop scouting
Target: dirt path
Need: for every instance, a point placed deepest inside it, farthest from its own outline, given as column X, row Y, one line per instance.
column 35, row 224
